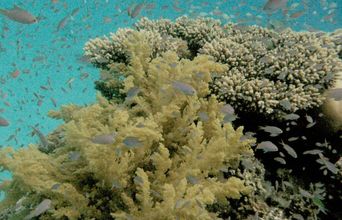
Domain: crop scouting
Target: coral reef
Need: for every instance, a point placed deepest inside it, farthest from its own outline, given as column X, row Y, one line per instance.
column 272, row 73
column 148, row 157
column 159, row 142
column 275, row 75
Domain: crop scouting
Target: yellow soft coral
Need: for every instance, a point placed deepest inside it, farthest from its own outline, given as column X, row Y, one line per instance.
column 163, row 161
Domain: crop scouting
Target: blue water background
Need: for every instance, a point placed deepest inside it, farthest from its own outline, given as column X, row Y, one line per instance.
column 42, row 54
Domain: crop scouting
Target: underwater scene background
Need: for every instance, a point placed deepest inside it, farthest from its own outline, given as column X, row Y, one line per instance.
column 170, row 109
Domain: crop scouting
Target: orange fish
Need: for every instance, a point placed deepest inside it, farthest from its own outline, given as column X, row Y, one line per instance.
column 297, row 14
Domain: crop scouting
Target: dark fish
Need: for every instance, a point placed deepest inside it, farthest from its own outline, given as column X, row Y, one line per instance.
column 19, row 15
column 55, row 186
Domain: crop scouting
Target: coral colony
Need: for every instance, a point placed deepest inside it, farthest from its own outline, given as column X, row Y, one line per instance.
column 194, row 120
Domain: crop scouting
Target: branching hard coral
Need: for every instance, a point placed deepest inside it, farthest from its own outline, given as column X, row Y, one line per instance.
column 107, row 50
column 148, row 157
column 271, row 72
column 196, row 32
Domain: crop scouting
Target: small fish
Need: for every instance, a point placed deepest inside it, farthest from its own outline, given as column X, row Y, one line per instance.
column 19, row 15
column 310, row 124
column 104, row 138
column 203, row 116
column 191, row 179
column 267, row 146
column 180, row 203
column 280, row 160
column 65, row 20
column 116, row 184
column 136, row 10
column 44, row 142
column 309, row 118
column 40, row 209
column 132, row 142
column 247, row 135
column 74, row 155
column 132, row 92
column 274, row 131
column 3, row 122
column 297, row 14
column 313, row 152
column 55, row 186
column 293, row 139
column 289, row 150
column 138, row 180
column 286, row 104
column 15, row 74
column 291, row 116
column 273, row 5
column 184, row 88
column 227, row 109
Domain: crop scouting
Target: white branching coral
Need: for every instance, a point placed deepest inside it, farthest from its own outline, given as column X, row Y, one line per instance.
column 272, row 72
column 107, row 50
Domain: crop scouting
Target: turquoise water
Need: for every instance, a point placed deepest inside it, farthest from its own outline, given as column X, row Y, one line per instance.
column 49, row 61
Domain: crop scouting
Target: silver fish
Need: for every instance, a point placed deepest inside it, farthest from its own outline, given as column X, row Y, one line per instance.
column 184, row 88
column 274, row 131
column 309, row 118
column 74, row 155
column 280, row 160
column 291, row 116
column 267, row 146
column 313, row 152
column 104, row 138
column 131, row 142
column 40, row 209
column 203, row 116
column 191, row 179
column 286, row 104
column 289, row 150
column 19, row 15
column 293, row 138
column 132, row 92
